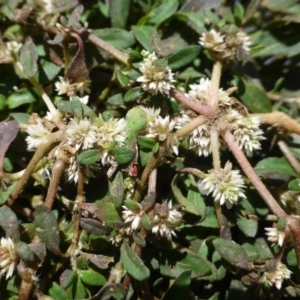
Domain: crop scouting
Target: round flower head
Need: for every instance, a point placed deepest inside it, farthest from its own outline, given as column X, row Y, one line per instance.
column 226, row 185
column 36, row 134
column 8, row 257
column 132, row 219
column 275, row 236
column 157, row 76
column 213, row 41
column 161, row 128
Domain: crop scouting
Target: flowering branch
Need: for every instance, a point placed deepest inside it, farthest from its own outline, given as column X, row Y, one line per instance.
column 289, row 156
column 214, row 85
column 247, row 168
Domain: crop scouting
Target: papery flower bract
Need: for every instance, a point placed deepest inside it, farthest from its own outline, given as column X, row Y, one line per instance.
column 277, row 276
column 8, row 257
column 275, row 236
column 152, row 113
column 161, row 128
column 80, row 133
column 156, row 77
column 132, row 219
column 65, row 87
column 226, row 185
column 213, row 41
column 36, row 134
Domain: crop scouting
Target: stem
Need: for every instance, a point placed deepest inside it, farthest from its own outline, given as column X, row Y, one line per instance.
column 189, row 127
column 257, row 183
column 46, row 145
column 289, row 156
column 214, row 85
column 57, row 171
column 191, row 104
column 294, row 225
column 152, row 181
column 214, row 141
column 193, row 171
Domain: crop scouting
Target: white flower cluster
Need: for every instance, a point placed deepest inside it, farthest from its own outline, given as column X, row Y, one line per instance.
column 8, row 257
column 226, row 185
column 36, row 135
column 275, row 236
column 156, row 77
column 245, row 129
column 276, row 275
column 226, row 46
column 71, row 89
column 8, row 51
column 132, row 219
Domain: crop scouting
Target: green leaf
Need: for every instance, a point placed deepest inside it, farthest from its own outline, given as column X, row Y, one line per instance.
column 94, row 226
column 76, row 291
column 64, row 106
column 254, row 98
column 46, row 228
column 9, row 222
column 274, row 165
column 192, row 20
column 180, row 287
column 122, row 78
column 292, row 258
column 122, row 155
column 57, row 292
column 163, row 12
column 262, row 248
column 251, row 10
column 89, row 157
column 92, row 277
column 24, row 251
column 233, row 253
column 173, row 263
column 210, row 219
column 294, row 185
column 136, row 119
column 116, row 189
column 183, row 57
column 21, row 118
column 76, row 108
column 146, row 142
column 20, row 97
column 238, row 11
column 118, row 12
column 133, row 264
column 132, row 94
column 28, row 58
column 47, row 71
column 118, row 38
column 116, row 100
column 248, row 226
column 144, row 35
column 115, row 291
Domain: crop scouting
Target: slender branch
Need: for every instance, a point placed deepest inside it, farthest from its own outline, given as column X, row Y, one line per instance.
column 152, row 181
column 46, row 145
column 257, row 183
column 191, row 104
column 194, row 171
column 294, row 225
column 189, row 127
column 278, row 118
column 214, row 85
column 289, row 156
column 214, row 141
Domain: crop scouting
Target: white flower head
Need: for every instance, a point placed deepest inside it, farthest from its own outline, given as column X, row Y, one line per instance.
column 36, row 135
column 80, row 134
column 8, row 257
column 213, row 41
column 200, row 92
column 244, row 41
column 156, row 75
column 151, row 112
column 275, row 236
column 276, row 273
column 161, row 128
column 13, row 47
column 132, row 219
column 226, row 185
column 65, row 87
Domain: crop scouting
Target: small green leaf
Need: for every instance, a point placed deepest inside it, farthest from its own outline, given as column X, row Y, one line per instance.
column 108, row 214
column 146, row 142
column 72, row 279
column 94, row 226
column 192, row 20
column 238, row 11
column 251, row 10
column 57, row 292
column 89, row 157
column 92, row 277
column 183, row 57
column 76, row 291
column 64, row 106
column 28, row 58
column 9, row 222
column 294, row 185
column 144, row 35
column 115, row 291
column 210, row 219
column 275, row 165
column 132, row 94
column 21, row 118
column 248, row 226
column 46, row 228
column 180, row 287
column 136, row 119
column 233, row 253
column 122, row 78
column 116, row 100
column 292, row 258
column 48, row 71
column 122, row 155
column 253, row 97
column 116, row 189
column 133, row 264
column 132, row 205
column 118, row 12
column 119, row 38
column 20, row 97
column 163, row 12
column 24, row 251
column 76, row 108
column 5, row 194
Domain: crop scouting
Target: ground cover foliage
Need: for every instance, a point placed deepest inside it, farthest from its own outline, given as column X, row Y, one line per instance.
column 149, row 149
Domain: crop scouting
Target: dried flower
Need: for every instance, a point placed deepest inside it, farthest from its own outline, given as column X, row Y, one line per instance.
column 157, row 76
column 275, row 236
column 8, row 257
column 37, row 133
column 80, row 133
column 226, row 185
column 276, row 273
